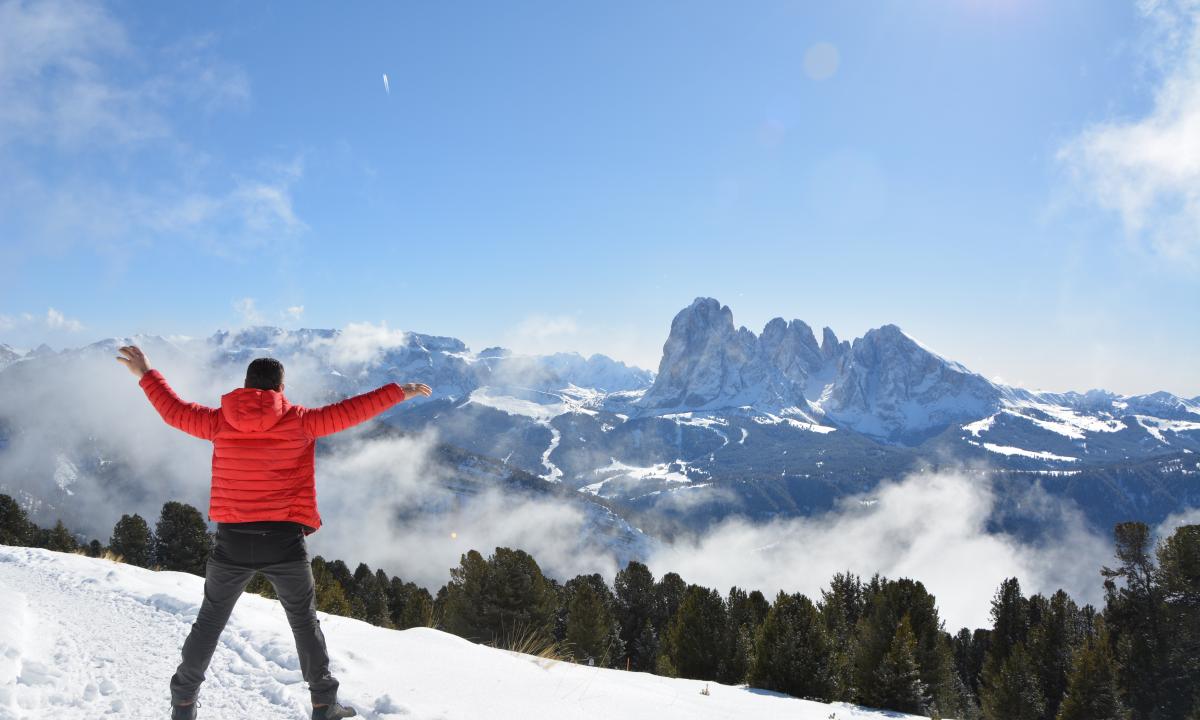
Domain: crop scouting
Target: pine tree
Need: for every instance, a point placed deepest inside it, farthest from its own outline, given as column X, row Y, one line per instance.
column 887, row 603
column 746, row 614
column 970, row 649
column 369, row 598
column 841, row 607
column 646, row 646
column 600, row 631
column 131, row 539
column 499, row 599
column 792, row 652
column 182, row 539
column 521, row 598
column 588, row 626
column 15, row 528
column 668, row 596
column 58, row 538
column 94, row 549
column 1053, row 638
column 397, row 598
column 1011, row 690
column 635, row 609
column 464, row 599
column 1010, row 620
column 1179, row 579
column 1004, row 685
column 409, row 606
column 331, row 596
column 1134, row 614
column 1093, row 692
column 418, row 608
column 898, row 678
column 693, row 641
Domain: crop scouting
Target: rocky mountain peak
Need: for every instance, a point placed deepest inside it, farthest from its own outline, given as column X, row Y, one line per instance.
column 831, row 348
column 891, row 386
column 8, row 356
column 708, row 363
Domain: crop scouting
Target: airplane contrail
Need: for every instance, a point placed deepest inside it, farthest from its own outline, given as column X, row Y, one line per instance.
column 386, row 88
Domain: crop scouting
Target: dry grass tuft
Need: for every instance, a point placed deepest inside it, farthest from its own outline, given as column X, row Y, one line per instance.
column 537, row 642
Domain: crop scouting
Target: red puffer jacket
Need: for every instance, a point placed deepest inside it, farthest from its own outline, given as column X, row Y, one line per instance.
column 262, row 467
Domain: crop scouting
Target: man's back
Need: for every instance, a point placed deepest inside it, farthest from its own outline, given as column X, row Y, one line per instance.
column 263, row 446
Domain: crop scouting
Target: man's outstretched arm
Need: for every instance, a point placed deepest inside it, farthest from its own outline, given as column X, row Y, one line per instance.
column 191, row 418
column 360, row 408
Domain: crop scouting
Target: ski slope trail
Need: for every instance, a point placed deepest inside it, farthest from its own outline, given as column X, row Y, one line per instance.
column 90, row 639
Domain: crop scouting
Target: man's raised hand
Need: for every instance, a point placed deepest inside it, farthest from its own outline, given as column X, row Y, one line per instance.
column 133, row 358
column 414, row 389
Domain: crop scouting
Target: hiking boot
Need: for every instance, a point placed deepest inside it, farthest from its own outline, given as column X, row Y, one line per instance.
column 333, row 711
column 184, row 712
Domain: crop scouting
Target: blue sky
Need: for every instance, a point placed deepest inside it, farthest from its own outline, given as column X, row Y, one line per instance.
column 1007, row 180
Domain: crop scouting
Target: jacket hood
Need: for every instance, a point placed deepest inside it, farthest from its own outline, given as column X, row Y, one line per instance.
column 253, row 410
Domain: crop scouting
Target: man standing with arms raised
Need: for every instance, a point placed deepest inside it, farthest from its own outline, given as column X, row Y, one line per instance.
column 264, row 502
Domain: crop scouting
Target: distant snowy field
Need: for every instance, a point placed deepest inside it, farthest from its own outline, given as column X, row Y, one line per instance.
column 83, row 638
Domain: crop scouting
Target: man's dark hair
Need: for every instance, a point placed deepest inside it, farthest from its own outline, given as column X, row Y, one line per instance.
column 264, row 374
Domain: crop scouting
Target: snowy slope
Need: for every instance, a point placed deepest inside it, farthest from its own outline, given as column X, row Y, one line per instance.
column 83, row 638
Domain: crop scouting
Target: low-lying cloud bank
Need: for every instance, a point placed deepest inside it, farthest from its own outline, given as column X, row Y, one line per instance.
column 385, row 502
column 929, row 526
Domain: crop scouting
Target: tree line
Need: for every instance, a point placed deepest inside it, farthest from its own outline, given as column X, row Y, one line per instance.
column 877, row 642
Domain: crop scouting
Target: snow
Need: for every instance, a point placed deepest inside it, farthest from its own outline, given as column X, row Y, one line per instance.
column 1156, row 426
column 65, row 473
column 541, row 412
column 553, row 472
column 980, row 426
column 1066, row 421
column 767, row 418
column 85, row 639
column 659, row 472
column 706, row 421
column 1039, row 455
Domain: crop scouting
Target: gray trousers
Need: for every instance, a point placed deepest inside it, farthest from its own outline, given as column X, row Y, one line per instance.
column 277, row 550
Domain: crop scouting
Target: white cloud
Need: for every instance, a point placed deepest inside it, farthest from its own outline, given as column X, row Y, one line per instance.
column 542, row 334
column 295, row 312
column 1147, row 169
column 930, row 527
column 247, row 308
column 55, row 320
column 361, row 343
column 51, row 78
column 542, row 327
column 78, row 91
column 1177, row 520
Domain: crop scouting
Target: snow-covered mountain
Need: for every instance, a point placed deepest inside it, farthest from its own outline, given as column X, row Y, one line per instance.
column 892, row 387
column 889, row 387
column 707, row 363
column 82, row 639
column 8, row 356
column 733, row 422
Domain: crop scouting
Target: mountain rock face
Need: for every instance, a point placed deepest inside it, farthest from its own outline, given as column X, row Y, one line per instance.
column 707, row 363
column 884, row 385
column 8, row 356
column 892, row 387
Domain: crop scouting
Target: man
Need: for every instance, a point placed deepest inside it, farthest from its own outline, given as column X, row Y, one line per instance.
column 264, row 502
